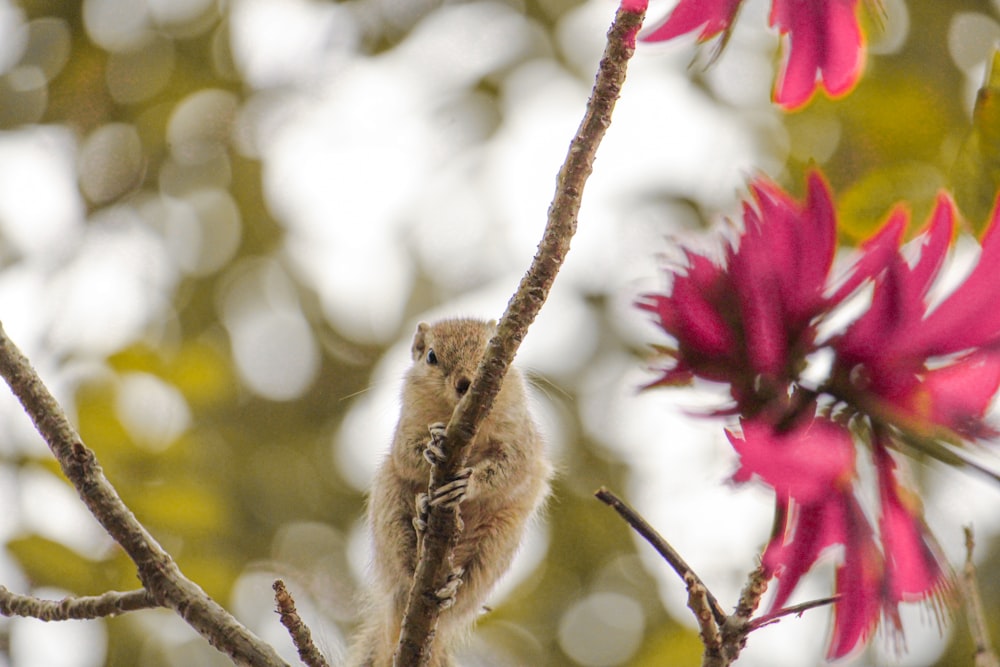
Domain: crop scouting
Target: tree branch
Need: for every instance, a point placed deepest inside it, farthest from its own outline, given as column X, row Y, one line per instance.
column 698, row 603
column 738, row 624
column 662, row 547
column 297, row 629
column 157, row 570
column 434, row 564
column 723, row 635
column 111, row 603
column 794, row 610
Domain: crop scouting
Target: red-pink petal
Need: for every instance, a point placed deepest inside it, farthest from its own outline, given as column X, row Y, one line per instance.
column 807, row 463
column 817, row 245
column 808, row 531
column 890, row 311
column 877, row 253
column 760, row 298
column 960, row 393
column 688, row 15
column 934, row 249
column 969, row 317
column 780, row 270
column 858, row 584
column 635, row 6
column 697, row 325
column 913, row 567
column 824, row 39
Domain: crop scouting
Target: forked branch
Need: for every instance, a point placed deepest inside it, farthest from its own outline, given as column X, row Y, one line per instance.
column 723, row 635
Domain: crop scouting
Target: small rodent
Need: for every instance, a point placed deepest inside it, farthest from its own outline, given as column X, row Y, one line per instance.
column 507, row 483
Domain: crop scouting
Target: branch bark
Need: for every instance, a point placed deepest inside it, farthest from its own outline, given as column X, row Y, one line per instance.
column 297, row 629
column 75, row 608
column 443, row 525
column 794, row 610
column 160, row 575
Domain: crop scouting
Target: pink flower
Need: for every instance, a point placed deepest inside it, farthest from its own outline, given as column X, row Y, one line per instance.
column 903, row 373
column 824, row 41
column 811, row 468
column 749, row 322
column 884, row 360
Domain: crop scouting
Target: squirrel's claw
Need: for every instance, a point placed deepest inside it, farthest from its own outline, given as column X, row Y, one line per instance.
column 453, row 491
column 434, row 452
column 447, row 593
column 420, row 518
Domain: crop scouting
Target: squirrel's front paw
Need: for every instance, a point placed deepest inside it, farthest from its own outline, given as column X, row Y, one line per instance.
column 453, row 491
column 447, row 593
column 420, row 518
column 434, row 452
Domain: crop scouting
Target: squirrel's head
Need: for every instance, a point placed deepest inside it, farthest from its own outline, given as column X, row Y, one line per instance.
column 448, row 352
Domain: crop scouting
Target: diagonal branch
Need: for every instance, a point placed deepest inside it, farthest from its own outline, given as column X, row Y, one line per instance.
column 434, row 562
column 662, row 547
column 157, row 570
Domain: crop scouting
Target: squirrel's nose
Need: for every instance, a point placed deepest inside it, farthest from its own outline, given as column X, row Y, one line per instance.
column 462, row 385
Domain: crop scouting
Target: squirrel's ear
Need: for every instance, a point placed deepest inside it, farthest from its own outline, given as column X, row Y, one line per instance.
column 492, row 326
column 419, row 341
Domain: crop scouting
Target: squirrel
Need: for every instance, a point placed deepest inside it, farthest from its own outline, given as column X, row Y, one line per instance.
column 502, row 489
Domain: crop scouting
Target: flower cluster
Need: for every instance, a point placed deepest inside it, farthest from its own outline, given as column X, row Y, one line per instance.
column 824, row 41
column 903, row 373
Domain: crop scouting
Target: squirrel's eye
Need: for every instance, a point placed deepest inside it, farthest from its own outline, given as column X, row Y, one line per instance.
column 432, row 358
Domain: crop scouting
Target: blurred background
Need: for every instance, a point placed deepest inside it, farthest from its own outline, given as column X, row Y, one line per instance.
column 221, row 221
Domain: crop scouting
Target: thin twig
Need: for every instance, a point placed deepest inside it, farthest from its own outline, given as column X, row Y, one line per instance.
column 985, row 656
column 724, row 636
column 662, row 547
column 297, row 629
column 796, row 609
column 157, row 570
column 111, row 603
column 737, row 625
column 434, row 563
column 751, row 594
